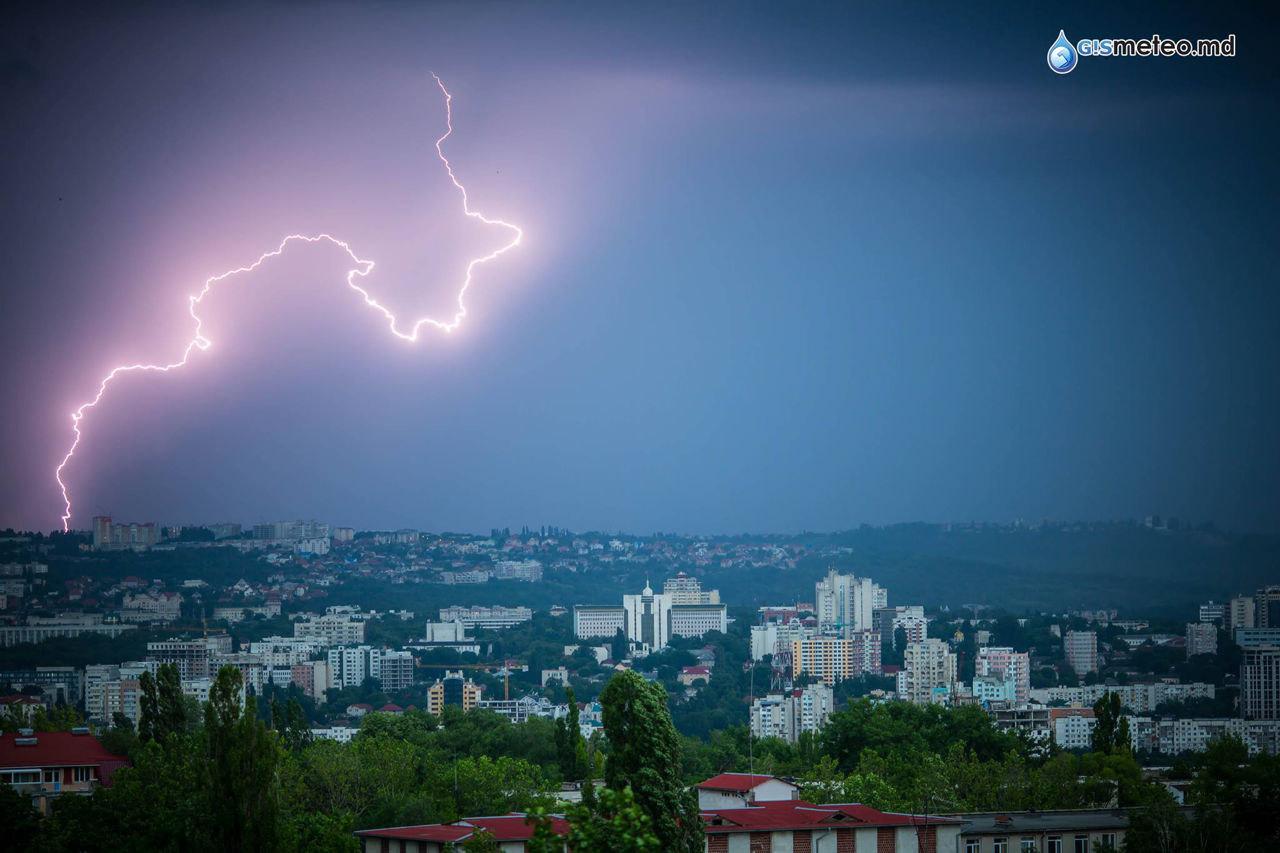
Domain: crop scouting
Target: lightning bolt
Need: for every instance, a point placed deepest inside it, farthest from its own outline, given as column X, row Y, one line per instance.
column 354, row 276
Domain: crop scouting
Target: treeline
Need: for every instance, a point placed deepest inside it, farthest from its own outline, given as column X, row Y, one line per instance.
column 233, row 776
column 225, row 779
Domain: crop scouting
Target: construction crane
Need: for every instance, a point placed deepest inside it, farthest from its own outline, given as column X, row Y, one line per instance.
column 505, row 664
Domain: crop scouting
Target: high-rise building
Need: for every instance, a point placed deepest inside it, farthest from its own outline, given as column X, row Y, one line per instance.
column 195, row 658
column 910, row 618
column 1202, row 638
column 1007, row 665
column 846, row 602
column 1081, row 650
column 1260, row 683
column 453, row 690
column 1267, row 606
column 833, row 659
column 396, row 670
column 686, row 590
column 928, row 673
column 1241, row 612
column 788, row 715
column 648, row 618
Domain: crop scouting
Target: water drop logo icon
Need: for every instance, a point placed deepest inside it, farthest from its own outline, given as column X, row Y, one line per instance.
column 1062, row 55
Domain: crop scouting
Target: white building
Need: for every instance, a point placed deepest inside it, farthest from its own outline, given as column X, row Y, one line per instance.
column 1074, row 731
column 1081, row 649
column 591, row 620
column 787, row 715
column 490, row 618
column 928, row 673
column 333, row 629
column 688, row 590
column 648, row 618
column 694, row 620
column 772, row 638
column 151, row 607
column 847, row 602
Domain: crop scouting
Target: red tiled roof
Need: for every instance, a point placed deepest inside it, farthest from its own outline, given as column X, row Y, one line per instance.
column 58, row 749
column 797, row 814
column 741, row 782
column 509, row 827
column 16, row 698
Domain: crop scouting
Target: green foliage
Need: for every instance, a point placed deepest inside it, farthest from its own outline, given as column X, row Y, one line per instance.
column 611, row 823
column 19, row 817
column 645, row 757
column 240, row 764
column 1111, row 732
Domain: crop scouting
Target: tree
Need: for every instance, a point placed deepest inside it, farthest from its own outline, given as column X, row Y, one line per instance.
column 19, row 818
column 645, row 757
column 618, row 646
column 241, row 756
column 162, row 704
column 1111, row 732
column 615, row 824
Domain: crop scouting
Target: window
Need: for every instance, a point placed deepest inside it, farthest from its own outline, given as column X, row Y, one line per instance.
column 1028, row 846
column 1055, row 844
column 52, row 776
column 1000, row 845
column 82, row 774
column 973, row 845
column 1108, row 839
column 1082, row 844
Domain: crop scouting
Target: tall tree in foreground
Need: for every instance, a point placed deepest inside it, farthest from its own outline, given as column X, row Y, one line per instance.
column 645, row 757
column 242, row 757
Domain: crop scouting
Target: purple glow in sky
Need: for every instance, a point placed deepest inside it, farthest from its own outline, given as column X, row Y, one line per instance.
column 355, row 275
column 788, row 268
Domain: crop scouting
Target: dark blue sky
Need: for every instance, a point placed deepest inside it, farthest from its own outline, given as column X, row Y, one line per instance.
column 787, row 266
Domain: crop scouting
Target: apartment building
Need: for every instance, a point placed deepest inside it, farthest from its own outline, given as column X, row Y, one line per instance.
column 1007, row 666
column 833, row 659
column 1202, row 638
column 335, row 629
column 1260, row 683
column 787, row 715
column 1081, row 649
column 928, row 674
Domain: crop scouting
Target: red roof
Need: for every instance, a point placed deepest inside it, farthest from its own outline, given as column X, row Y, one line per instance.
column 16, row 698
column 696, row 670
column 508, row 827
column 58, row 749
column 797, row 814
column 741, row 782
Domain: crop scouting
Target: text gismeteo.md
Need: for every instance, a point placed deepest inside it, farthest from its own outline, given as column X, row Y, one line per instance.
column 1064, row 55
